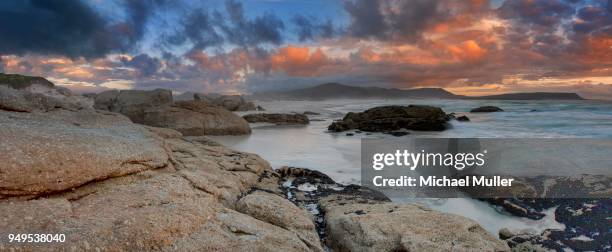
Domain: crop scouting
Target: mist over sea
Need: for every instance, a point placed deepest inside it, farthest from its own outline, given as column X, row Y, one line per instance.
column 338, row 155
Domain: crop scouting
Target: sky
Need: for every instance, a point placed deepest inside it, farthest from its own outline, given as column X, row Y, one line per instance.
column 470, row 47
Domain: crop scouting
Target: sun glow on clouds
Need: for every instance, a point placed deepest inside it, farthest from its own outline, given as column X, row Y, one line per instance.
column 469, row 47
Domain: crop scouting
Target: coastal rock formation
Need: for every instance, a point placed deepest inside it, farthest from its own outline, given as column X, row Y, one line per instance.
column 392, row 118
column 108, row 184
column 111, row 185
column 404, row 227
column 132, row 103
column 281, row 212
column 44, row 93
column 155, row 108
column 196, row 118
column 486, row 109
column 354, row 218
column 280, row 119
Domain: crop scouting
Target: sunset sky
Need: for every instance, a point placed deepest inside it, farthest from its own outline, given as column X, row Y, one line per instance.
column 468, row 47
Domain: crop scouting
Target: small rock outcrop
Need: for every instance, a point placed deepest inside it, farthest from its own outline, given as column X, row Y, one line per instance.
column 196, row 118
column 393, row 118
column 229, row 102
column 463, row 118
column 279, row 119
column 486, row 109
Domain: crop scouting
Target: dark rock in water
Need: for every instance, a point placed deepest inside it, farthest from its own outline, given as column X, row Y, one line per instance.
column 397, row 133
column 350, row 134
column 393, row 118
column 463, row 118
column 534, row 110
column 260, row 108
column 587, row 227
column 279, row 119
column 486, row 109
column 310, row 113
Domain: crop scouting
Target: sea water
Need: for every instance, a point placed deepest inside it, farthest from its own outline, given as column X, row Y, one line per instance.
column 338, row 155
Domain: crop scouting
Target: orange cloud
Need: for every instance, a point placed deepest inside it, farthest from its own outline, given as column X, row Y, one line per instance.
column 298, row 61
column 468, row 50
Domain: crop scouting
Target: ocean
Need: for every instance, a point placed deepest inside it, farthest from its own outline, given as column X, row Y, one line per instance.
column 338, row 154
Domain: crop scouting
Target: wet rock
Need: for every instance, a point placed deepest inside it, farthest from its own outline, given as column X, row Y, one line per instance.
column 463, row 118
column 196, row 118
column 279, row 119
column 355, row 218
column 397, row 133
column 393, row 118
column 350, row 134
column 486, row 109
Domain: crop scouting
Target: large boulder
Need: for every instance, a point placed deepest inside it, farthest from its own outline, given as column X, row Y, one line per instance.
column 391, row 118
column 404, row 227
column 281, row 212
column 132, row 103
column 195, row 118
column 50, row 152
column 280, row 119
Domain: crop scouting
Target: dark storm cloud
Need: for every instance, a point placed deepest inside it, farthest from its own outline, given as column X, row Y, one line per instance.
column 367, row 19
column 203, row 28
column 593, row 18
column 199, row 29
column 145, row 64
column 547, row 13
column 404, row 20
column 309, row 28
column 50, row 27
column 265, row 28
column 69, row 28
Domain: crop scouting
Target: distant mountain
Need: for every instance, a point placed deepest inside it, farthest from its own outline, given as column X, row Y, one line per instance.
column 340, row 91
column 531, row 96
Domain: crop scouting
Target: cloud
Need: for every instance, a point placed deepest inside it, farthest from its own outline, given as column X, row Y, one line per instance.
column 145, row 64
column 309, row 28
column 407, row 20
column 69, row 28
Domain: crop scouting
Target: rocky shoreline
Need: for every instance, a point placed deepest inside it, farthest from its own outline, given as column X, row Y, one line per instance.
column 88, row 171
column 110, row 184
